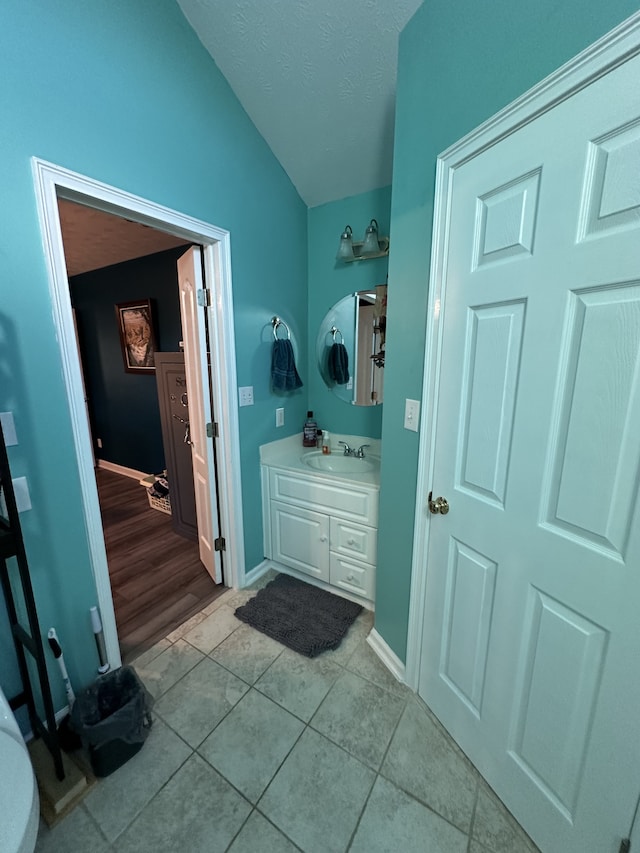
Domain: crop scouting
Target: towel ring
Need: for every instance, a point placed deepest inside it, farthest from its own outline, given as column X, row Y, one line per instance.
column 275, row 322
column 335, row 331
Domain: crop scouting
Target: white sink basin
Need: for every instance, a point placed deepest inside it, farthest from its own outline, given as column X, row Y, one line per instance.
column 339, row 464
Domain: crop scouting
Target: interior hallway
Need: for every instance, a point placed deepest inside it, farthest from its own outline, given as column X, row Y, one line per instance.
column 157, row 579
column 256, row 749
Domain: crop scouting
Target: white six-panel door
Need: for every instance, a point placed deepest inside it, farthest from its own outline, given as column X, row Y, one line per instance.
column 531, row 638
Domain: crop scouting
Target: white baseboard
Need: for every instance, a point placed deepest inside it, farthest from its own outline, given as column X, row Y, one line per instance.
column 120, row 469
column 388, row 657
column 257, row 572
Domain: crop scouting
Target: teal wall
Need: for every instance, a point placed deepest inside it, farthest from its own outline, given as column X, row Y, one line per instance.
column 459, row 63
column 329, row 281
column 125, row 93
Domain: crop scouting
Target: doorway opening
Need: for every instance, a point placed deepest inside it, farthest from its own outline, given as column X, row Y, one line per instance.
column 155, row 569
column 53, row 184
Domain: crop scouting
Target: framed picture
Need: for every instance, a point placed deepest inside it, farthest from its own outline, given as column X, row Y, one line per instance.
column 137, row 336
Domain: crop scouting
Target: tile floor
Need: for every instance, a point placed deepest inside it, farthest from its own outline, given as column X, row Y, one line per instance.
column 256, row 748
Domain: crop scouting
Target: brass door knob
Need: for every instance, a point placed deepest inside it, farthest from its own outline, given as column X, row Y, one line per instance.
column 439, row 505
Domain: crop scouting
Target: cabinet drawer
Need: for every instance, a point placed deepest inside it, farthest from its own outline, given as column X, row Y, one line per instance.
column 352, row 576
column 354, row 540
column 300, row 539
column 352, row 502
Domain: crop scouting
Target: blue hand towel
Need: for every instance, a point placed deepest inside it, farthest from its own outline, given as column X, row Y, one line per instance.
column 339, row 364
column 284, row 376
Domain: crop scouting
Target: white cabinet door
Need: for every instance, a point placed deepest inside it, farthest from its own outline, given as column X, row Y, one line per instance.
column 300, row 539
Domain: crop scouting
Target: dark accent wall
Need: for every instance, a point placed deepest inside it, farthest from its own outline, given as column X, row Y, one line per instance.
column 123, row 407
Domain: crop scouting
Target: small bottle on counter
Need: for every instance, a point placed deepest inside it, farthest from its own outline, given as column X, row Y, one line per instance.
column 326, row 442
column 319, row 439
column 310, row 431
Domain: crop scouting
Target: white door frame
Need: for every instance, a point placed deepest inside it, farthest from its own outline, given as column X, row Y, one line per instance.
column 611, row 50
column 53, row 182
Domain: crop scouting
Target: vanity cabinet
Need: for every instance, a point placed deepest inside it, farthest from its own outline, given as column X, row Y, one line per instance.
column 324, row 528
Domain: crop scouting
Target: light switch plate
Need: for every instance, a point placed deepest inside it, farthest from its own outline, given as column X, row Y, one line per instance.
column 245, row 394
column 411, row 414
column 280, row 417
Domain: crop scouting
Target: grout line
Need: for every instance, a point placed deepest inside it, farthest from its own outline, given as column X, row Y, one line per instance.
column 128, row 826
column 281, row 831
column 414, row 796
column 101, row 833
column 473, row 817
column 240, row 828
column 361, row 815
column 376, row 684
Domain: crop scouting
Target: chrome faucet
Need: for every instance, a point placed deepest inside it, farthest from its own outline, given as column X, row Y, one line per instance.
column 351, row 451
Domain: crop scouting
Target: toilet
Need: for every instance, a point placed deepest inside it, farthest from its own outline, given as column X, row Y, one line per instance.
column 19, row 802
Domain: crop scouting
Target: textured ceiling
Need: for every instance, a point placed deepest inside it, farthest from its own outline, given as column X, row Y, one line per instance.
column 317, row 78
column 93, row 239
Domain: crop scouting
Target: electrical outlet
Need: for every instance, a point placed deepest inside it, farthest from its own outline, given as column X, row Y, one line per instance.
column 99, row 443
column 246, row 395
column 411, row 414
column 279, row 417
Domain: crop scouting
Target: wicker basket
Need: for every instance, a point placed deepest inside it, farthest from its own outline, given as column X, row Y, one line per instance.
column 162, row 504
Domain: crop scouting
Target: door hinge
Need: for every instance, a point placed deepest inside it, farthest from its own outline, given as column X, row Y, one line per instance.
column 625, row 845
column 220, row 544
column 212, row 430
column 204, row 297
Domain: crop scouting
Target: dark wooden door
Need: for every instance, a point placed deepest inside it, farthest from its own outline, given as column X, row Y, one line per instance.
column 174, row 418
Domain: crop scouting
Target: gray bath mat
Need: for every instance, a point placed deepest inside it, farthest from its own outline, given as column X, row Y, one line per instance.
column 304, row 618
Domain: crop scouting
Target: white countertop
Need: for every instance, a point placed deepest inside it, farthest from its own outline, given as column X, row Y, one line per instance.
column 289, row 453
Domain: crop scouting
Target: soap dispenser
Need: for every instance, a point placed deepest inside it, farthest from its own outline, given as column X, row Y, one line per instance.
column 326, row 442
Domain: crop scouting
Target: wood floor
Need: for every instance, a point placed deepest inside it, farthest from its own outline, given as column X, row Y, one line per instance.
column 157, row 579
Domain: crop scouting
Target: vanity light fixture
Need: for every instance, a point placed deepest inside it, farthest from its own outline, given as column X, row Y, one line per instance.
column 373, row 245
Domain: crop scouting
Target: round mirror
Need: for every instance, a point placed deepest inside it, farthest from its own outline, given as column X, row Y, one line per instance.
column 350, row 347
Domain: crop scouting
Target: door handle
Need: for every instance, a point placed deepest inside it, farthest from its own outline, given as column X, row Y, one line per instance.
column 439, row 505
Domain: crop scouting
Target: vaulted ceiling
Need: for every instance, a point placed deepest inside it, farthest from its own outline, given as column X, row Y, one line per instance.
column 317, row 78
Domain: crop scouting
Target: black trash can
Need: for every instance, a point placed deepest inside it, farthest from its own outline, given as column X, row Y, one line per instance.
column 113, row 719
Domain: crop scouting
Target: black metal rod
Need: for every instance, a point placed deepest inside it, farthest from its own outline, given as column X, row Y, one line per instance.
column 32, row 640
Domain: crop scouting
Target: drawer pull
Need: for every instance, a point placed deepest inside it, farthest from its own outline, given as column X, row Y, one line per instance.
column 324, row 537
column 351, row 578
column 351, row 542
